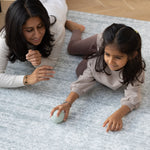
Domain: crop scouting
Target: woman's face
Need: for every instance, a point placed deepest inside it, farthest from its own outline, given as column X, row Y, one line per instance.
column 34, row 30
column 114, row 58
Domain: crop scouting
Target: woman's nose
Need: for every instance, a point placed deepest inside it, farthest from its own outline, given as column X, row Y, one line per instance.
column 37, row 34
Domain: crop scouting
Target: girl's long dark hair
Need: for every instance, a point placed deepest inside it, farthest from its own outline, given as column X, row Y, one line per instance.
column 128, row 41
column 17, row 15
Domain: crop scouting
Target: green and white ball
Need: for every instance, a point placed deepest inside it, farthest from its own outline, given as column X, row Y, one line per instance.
column 58, row 119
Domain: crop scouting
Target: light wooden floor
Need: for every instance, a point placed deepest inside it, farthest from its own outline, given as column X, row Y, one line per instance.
column 136, row 9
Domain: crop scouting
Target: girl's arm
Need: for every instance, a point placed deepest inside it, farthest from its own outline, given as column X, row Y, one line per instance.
column 79, row 87
column 129, row 102
column 115, row 120
column 132, row 93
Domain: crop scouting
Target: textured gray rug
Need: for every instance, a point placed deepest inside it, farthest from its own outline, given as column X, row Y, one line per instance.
column 24, row 112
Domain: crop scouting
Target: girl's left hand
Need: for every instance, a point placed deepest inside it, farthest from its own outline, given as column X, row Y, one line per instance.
column 114, row 122
column 34, row 57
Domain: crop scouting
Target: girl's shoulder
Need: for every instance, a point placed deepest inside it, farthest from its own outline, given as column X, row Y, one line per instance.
column 99, row 40
column 91, row 62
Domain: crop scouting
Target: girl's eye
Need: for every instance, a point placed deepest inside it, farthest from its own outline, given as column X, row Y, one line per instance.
column 118, row 57
column 106, row 54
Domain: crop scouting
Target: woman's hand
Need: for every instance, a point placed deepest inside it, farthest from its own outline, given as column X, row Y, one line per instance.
column 114, row 122
column 39, row 74
column 34, row 57
column 65, row 107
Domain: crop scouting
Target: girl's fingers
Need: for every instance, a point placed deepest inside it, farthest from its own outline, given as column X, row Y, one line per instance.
column 117, row 127
column 120, row 127
column 59, row 111
column 104, row 124
column 53, row 110
column 109, row 126
column 66, row 115
column 113, row 126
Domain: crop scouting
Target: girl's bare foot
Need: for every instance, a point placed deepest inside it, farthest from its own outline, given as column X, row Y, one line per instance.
column 74, row 26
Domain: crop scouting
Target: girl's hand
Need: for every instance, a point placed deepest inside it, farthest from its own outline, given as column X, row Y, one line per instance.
column 40, row 74
column 34, row 57
column 65, row 107
column 114, row 122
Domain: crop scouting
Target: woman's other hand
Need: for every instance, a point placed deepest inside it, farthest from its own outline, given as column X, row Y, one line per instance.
column 39, row 74
column 34, row 57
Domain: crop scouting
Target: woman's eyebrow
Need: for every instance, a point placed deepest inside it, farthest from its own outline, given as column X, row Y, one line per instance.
column 27, row 27
column 41, row 23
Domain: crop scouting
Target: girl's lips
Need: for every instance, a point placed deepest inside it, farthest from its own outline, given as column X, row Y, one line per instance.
column 113, row 66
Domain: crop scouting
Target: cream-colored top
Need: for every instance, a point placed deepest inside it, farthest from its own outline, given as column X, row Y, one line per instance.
column 58, row 8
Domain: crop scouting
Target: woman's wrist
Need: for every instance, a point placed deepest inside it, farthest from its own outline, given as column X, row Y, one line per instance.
column 25, row 80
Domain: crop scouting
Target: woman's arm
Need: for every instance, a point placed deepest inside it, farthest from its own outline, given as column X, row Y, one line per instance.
column 14, row 81
column 7, row 80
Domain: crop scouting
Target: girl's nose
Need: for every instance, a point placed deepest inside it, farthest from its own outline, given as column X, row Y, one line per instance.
column 110, row 60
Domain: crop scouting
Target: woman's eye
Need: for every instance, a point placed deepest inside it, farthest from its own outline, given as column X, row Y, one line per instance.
column 29, row 30
column 40, row 26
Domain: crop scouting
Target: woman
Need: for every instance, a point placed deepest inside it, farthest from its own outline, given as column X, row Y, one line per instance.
column 34, row 31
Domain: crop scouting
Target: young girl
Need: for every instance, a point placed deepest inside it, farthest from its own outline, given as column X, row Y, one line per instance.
column 32, row 33
column 114, row 59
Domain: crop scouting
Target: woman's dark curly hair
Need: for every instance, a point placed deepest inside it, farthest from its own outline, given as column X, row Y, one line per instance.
column 128, row 41
column 17, row 15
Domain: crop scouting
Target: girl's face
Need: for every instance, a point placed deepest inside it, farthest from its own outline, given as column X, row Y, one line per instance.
column 34, row 30
column 113, row 58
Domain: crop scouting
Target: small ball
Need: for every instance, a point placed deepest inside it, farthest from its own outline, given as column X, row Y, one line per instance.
column 58, row 119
